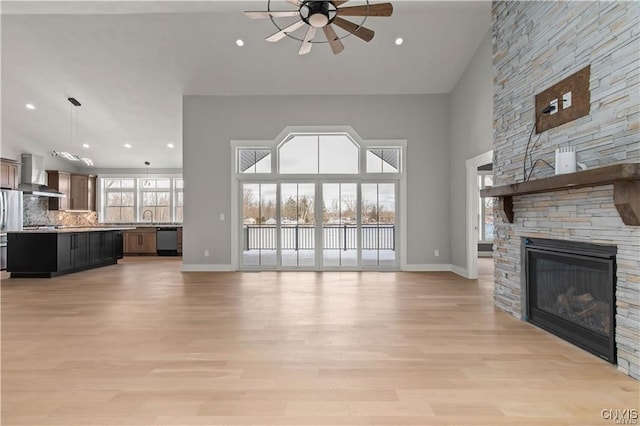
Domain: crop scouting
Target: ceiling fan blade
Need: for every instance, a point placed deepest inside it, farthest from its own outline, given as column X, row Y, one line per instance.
column 283, row 33
column 380, row 9
column 295, row 2
column 276, row 14
column 332, row 38
column 361, row 32
column 306, row 43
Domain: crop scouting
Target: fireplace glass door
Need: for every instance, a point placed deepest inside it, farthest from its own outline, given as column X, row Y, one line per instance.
column 570, row 292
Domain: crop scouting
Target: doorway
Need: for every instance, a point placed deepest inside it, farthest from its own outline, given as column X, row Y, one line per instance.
column 353, row 225
column 473, row 207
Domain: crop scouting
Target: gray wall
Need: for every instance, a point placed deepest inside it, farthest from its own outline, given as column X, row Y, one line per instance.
column 211, row 122
column 471, row 134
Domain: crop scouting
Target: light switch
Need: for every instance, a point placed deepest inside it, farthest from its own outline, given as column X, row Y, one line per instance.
column 566, row 100
column 554, row 106
column 221, row 216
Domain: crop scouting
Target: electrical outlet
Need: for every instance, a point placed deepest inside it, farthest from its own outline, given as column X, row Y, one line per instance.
column 206, row 253
column 436, row 252
column 566, row 100
column 554, row 106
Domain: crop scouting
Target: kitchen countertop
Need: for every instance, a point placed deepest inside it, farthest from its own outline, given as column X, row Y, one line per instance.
column 147, row 225
column 72, row 229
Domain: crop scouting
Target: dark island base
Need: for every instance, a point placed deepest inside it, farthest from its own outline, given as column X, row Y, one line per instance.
column 50, row 254
column 58, row 273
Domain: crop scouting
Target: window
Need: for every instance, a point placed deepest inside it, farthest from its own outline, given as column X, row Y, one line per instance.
column 179, row 200
column 119, row 196
column 318, row 200
column 383, row 160
column 135, row 199
column 319, row 154
column 486, row 210
column 254, row 161
column 155, row 205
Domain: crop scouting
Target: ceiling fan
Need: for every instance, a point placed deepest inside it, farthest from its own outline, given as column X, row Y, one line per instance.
column 321, row 14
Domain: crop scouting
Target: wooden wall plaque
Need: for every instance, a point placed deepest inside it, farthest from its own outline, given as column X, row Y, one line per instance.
column 578, row 85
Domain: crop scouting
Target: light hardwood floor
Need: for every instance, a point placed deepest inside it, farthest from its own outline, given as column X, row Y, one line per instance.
column 142, row 343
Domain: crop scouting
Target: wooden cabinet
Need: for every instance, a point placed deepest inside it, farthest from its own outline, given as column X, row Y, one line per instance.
column 92, row 181
column 79, row 190
column 60, row 181
column 179, row 240
column 140, row 241
column 9, row 174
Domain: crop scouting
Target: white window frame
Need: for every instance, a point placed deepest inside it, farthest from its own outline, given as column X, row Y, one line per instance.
column 481, row 207
column 137, row 177
column 363, row 177
column 103, row 193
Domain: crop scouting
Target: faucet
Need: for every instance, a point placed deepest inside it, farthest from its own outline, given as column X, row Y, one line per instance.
column 145, row 212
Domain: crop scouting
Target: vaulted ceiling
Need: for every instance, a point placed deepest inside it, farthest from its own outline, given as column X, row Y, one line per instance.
column 129, row 63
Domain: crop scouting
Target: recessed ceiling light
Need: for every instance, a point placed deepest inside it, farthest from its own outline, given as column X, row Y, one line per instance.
column 85, row 145
column 399, row 41
column 170, row 145
column 239, row 42
column 127, row 145
column 30, row 106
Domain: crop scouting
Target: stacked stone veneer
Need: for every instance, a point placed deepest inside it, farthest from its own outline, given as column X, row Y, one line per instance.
column 537, row 44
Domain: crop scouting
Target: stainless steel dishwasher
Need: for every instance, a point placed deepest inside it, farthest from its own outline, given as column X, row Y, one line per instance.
column 167, row 241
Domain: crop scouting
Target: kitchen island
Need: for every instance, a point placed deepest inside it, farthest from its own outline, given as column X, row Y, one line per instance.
column 46, row 253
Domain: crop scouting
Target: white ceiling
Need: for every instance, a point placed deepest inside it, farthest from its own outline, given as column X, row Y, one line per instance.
column 129, row 63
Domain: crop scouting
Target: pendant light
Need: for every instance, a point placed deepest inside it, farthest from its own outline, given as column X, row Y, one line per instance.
column 146, row 183
column 73, row 126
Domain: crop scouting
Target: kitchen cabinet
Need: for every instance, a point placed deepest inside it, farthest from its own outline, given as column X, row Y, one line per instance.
column 50, row 253
column 91, row 187
column 140, row 241
column 73, row 251
column 9, row 174
column 60, row 181
column 118, row 244
column 79, row 191
column 101, row 247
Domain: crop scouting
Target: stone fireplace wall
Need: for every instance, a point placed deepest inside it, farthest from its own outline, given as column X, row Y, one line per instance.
column 537, row 44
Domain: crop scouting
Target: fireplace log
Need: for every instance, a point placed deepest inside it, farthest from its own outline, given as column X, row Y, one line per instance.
column 598, row 307
column 564, row 300
column 587, row 297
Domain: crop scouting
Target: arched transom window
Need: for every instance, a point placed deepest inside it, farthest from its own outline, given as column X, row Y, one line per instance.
column 319, row 153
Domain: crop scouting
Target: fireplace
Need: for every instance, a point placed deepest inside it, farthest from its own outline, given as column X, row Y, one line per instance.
column 570, row 292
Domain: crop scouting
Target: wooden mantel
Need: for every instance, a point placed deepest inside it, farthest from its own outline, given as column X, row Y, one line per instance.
column 624, row 177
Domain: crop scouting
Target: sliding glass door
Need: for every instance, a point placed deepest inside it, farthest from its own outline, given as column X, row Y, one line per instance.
column 297, row 225
column 319, row 225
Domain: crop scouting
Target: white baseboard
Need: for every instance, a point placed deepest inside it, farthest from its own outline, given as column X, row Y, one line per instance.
column 207, row 268
column 460, row 271
column 425, row 267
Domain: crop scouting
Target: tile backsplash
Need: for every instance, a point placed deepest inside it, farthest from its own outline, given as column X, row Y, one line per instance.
column 36, row 212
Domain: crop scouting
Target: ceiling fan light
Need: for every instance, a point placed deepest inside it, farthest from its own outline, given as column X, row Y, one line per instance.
column 318, row 20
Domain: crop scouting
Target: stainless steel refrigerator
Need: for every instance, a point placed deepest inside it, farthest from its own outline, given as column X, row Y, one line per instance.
column 10, row 219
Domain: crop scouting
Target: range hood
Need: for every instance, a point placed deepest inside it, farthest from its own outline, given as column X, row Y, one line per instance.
column 33, row 177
